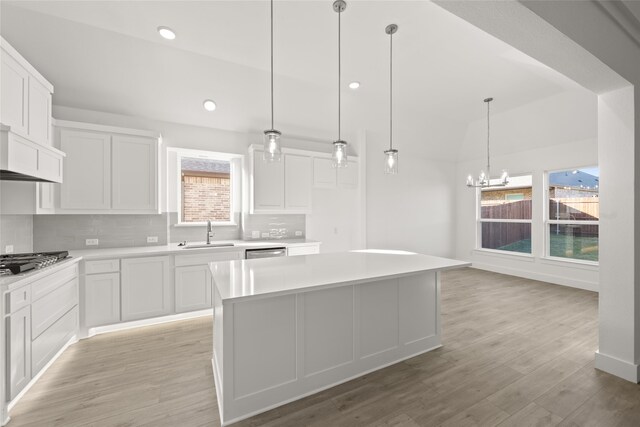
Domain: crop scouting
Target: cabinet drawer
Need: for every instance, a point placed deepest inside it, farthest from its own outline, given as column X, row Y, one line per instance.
column 200, row 259
column 102, row 266
column 48, row 309
column 48, row 284
column 303, row 250
column 18, row 299
column 47, row 345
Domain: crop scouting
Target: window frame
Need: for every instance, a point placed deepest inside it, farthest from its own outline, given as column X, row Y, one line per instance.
column 480, row 220
column 234, row 185
column 547, row 222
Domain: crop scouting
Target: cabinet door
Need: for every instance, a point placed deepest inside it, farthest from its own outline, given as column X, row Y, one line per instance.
column 135, row 173
column 297, row 182
column 19, row 350
column 102, row 299
column 348, row 177
column 324, row 174
column 87, row 174
column 46, row 197
column 145, row 287
column 268, row 184
column 193, row 288
column 14, row 86
column 39, row 113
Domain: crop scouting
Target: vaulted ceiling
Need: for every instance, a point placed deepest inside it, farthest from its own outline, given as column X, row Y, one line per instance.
column 108, row 56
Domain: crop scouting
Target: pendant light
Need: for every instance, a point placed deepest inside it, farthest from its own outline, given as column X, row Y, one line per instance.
column 484, row 178
column 339, row 155
column 391, row 155
column 272, row 151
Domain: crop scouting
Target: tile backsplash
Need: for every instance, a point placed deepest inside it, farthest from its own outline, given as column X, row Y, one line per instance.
column 273, row 226
column 198, row 233
column 17, row 231
column 67, row 232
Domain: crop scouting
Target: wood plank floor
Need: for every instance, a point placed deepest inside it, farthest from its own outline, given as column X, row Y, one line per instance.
column 516, row 353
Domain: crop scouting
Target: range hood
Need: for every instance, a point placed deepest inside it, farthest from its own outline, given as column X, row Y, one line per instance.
column 25, row 160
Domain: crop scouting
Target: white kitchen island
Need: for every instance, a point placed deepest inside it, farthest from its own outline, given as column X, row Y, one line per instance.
column 285, row 328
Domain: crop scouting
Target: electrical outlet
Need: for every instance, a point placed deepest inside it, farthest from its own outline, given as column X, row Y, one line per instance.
column 298, row 233
column 255, row 234
column 91, row 242
column 265, row 235
column 8, row 249
column 152, row 239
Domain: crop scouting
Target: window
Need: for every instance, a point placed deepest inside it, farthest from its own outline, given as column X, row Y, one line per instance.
column 206, row 187
column 505, row 216
column 574, row 214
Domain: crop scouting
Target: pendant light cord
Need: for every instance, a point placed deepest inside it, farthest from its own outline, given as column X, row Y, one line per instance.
column 391, row 92
column 339, row 72
column 271, row 64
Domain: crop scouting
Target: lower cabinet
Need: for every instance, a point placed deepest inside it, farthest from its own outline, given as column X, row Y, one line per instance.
column 102, row 299
column 303, row 250
column 193, row 288
column 145, row 287
column 19, row 351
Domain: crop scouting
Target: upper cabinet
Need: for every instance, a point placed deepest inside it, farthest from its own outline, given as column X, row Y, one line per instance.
column 25, row 116
column 280, row 187
column 108, row 170
column 286, row 186
column 26, row 97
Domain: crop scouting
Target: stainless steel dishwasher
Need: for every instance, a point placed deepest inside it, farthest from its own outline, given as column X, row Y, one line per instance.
column 265, row 253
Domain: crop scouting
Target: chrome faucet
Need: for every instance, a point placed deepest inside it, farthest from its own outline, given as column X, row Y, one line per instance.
column 209, row 233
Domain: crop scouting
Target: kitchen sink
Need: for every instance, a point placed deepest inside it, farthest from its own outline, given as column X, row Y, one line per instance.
column 205, row 245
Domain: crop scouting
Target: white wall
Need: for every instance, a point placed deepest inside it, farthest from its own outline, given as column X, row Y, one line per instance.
column 413, row 210
column 536, row 125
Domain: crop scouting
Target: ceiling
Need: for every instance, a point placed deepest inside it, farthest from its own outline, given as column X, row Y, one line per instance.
column 108, row 56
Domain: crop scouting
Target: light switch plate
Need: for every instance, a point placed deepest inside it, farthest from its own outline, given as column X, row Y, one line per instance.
column 298, row 233
column 8, row 249
column 152, row 239
column 91, row 242
column 255, row 234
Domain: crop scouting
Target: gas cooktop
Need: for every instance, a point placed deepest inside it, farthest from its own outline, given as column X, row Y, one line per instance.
column 19, row 263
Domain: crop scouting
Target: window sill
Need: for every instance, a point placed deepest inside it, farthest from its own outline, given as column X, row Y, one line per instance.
column 574, row 263
column 204, row 224
column 505, row 254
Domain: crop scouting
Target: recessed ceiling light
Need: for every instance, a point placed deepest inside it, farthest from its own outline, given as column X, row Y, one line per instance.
column 354, row 85
column 167, row 33
column 209, row 105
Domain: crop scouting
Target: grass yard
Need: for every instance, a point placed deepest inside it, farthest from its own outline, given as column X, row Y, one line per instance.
column 582, row 248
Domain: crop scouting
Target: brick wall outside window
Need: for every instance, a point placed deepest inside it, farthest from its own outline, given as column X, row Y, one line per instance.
column 206, row 198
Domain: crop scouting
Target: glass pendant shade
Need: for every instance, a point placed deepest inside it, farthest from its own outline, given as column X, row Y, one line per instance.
column 339, row 155
column 391, row 162
column 272, row 151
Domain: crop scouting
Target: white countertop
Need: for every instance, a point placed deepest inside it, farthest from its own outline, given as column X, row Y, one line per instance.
column 174, row 249
column 278, row 276
column 8, row 283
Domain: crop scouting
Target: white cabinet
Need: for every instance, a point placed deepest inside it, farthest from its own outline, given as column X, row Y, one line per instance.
column 108, row 170
column 297, row 183
column 280, row 187
column 14, row 85
column 324, row 174
column 145, row 287
column 19, row 350
column 87, row 173
column 193, row 288
column 267, row 184
column 25, row 104
column 39, row 112
column 304, row 250
column 193, row 279
column 102, row 299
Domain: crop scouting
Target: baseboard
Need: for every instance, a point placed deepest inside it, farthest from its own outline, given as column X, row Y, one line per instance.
column 146, row 322
column 618, row 367
column 542, row 277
